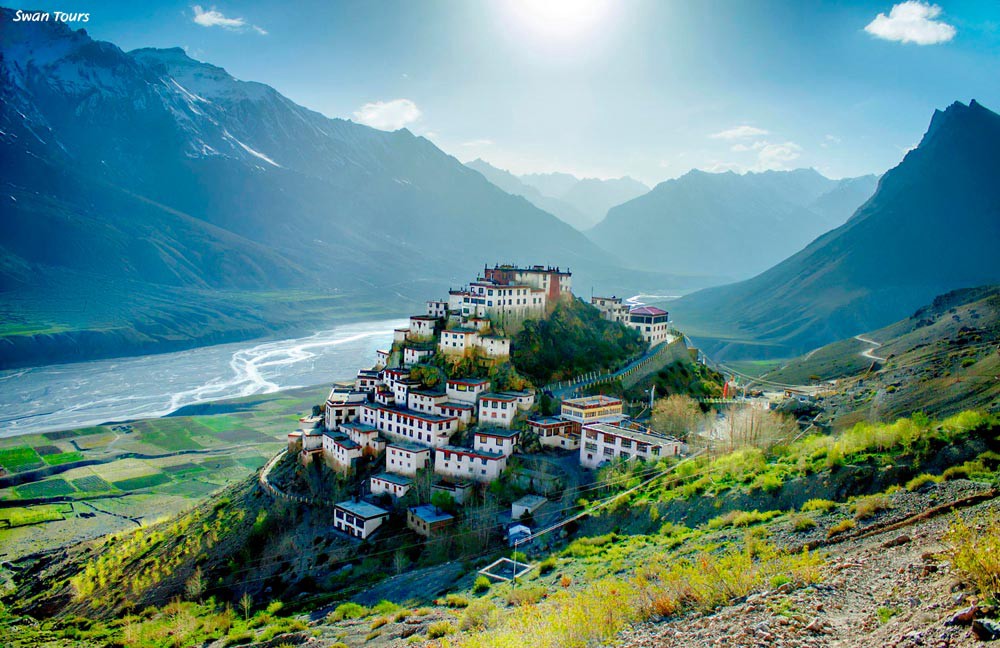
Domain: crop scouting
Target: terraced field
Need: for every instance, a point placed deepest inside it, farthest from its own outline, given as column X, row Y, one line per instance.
column 135, row 472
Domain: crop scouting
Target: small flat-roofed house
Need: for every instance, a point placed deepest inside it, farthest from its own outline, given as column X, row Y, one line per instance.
column 368, row 437
column 495, row 439
column 592, row 409
column 428, row 520
column 406, row 458
column 602, row 442
column 358, row 519
column 455, row 463
column 395, row 485
column 527, row 505
column 340, row 452
column 466, row 390
column 555, row 432
column 497, row 409
column 460, row 491
column 464, row 412
column 652, row 323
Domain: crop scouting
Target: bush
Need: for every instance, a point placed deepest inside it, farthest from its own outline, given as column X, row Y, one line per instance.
column 379, row 622
column 456, row 601
column 439, row 629
column 348, row 611
column 238, row 639
column 526, row 595
column 547, row 566
column 741, row 518
column 480, row 615
column 866, row 507
column 920, row 480
column 386, row 607
column 481, row 585
column 975, row 552
column 841, row 527
column 821, row 505
column 802, row 523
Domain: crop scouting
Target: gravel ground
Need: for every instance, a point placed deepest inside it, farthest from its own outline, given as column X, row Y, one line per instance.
column 890, row 589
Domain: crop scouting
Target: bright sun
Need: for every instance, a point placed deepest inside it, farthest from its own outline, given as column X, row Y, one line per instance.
column 560, row 19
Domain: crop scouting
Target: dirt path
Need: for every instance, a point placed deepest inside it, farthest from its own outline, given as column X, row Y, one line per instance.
column 869, row 352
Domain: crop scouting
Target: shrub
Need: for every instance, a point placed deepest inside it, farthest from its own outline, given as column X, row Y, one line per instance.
column 238, row 639
column 866, row 507
column 920, row 480
column 379, row 622
column 885, row 613
column 526, row 595
column 385, row 607
column 371, row 635
column 439, row 629
column 547, row 565
column 481, row 585
column 480, row 615
column 841, row 527
column 821, row 505
column 402, row 615
column 456, row 601
column 741, row 518
column 802, row 523
column 768, row 482
column 565, row 581
column 348, row 611
column 975, row 551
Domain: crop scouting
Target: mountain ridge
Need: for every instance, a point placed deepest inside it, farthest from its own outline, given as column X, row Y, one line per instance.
column 940, row 207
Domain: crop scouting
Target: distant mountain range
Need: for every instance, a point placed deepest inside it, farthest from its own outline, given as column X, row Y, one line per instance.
column 932, row 226
column 149, row 199
column 580, row 202
column 726, row 223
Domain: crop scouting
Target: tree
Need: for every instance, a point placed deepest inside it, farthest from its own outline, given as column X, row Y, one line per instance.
column 677, row 415
column 746, row 426
column 195, row 585
column 399, row 561
column 444, row 501
column 246, row 604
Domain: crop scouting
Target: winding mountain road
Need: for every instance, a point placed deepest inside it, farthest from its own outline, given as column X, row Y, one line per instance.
column 869, row 352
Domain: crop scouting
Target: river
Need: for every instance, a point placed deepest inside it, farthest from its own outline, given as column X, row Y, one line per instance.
column 57, row 397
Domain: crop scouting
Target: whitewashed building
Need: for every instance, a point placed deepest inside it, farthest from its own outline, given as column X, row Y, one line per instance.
column 372, row 443
column 406, row 425
column 602, row 442
column 592, row 409
column 497, row 409
column 394, row 485
column 358, row 519
column 466, row 390
column 425, row 400
column 500, row 440
column 342, row 406
column 653, row 323
column 428, row 520
column 555, row 432
column 612, row 309
column 406, row 458
column 452, row 462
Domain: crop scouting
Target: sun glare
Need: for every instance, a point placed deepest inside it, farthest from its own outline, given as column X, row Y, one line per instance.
column 559, row 19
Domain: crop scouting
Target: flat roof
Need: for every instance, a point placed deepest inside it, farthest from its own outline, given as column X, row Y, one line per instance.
column 531, row 501
column 430, row 514
column 472, row 452
column 433, row 418
column 462, row 330
column 549, row 420
column 637, row 435
column 362, row 509
column 455, row 405
column 408, row 447
column 364, row 428
column 504, row 433
column 498, row 397
column 468, row 381
column 428, row 392
column 399, row 480
column 599, row 400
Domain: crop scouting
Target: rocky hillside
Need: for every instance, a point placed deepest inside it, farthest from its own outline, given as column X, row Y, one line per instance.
column 942, row 359
column 883, row 531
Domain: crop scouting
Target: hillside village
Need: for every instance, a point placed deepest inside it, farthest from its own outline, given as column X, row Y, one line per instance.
column 435, row 406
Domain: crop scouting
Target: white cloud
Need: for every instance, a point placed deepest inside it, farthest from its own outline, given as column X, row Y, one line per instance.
column 388, row 115
column 739, row 132
column 776, row 156
column 476, row 143
column 215, row 18
column 912, row 22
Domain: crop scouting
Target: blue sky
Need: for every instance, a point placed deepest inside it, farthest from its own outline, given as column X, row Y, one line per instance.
column 602, row 87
